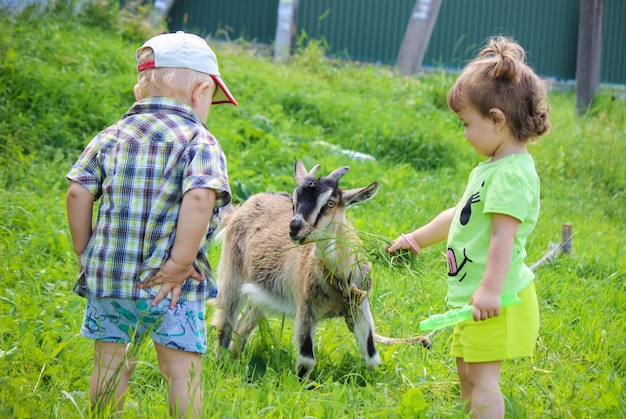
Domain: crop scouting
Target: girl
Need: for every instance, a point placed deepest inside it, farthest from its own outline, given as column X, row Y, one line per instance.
column 503, row 105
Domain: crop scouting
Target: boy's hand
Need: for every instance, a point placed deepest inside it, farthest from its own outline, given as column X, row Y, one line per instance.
column 171, row 277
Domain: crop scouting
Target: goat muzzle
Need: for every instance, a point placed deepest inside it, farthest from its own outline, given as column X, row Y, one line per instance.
column 295, row 229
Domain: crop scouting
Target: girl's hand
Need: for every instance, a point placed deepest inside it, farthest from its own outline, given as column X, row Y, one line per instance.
column 486, row 303
column 404, row 242
column 171, row 277
column 433, row 232
column 486, row 300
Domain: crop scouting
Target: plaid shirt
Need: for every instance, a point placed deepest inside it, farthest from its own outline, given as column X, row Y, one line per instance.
column 139, row 168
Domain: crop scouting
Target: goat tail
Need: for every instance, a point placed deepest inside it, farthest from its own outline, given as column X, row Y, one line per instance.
column 225, row 214
column 422, row 340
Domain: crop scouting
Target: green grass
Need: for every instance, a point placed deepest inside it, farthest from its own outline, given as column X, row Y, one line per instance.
column 64, row 77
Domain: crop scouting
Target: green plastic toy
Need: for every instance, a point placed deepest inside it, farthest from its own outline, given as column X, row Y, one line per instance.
column 458, row 315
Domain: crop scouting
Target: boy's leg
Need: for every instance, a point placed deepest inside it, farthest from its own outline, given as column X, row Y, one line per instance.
column 487, row 400
column 182, row 370
column 110, row 376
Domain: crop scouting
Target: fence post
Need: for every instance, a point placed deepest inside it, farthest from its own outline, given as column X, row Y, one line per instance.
column 417, row 36
column 161, row 10
column 566, row 238
column 589, row 52
column 285, row 29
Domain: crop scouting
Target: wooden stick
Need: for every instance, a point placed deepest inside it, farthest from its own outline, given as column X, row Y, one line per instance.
column 554, row 249
column 564, row 247
column 566, row 238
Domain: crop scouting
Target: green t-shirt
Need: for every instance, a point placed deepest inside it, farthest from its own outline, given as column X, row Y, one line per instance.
column 507, row 186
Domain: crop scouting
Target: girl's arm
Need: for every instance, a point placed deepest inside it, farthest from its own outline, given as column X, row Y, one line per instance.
column 79, row 203
column 194, row 217
column 486, row 300
column 433, row 232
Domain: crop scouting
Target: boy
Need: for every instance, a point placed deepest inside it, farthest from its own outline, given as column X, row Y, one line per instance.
column 160, row 176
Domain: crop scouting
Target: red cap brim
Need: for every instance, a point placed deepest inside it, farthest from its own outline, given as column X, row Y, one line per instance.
column 222, row 94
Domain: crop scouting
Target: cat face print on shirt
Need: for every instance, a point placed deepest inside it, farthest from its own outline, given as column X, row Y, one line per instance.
column 455, row 267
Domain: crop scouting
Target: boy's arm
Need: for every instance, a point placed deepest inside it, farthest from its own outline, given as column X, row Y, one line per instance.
column 486, row 300
column 433, row 232
column 79, row 203
column 194, row 217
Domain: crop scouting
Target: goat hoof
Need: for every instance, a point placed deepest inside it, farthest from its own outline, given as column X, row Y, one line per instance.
column 373, row 362
column 303, row 373
column 426, row 343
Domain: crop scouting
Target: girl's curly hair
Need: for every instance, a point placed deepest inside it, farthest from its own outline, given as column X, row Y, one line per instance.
column 500, row 78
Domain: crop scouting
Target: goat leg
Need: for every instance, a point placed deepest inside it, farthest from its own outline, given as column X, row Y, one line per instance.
column 360, row 321
column 303, row 339
column 422, row 340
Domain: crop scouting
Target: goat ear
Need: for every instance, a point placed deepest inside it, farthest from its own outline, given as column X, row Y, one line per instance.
column 354, row 196
column 300, row 171
column 338, row 173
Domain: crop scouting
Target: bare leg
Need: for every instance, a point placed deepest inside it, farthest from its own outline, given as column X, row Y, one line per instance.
column 466, row 384
column 182, row 370
column 487, row 400
column 111, row 372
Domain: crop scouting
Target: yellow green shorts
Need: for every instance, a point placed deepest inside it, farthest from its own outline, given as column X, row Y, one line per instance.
column 512, row 334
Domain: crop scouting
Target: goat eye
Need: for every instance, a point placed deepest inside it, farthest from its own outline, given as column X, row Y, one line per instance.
column 330, row 204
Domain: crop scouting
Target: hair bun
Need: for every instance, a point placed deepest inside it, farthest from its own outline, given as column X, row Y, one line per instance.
column 506, row 56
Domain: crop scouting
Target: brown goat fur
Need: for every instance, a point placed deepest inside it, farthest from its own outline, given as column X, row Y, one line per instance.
column 295, row 255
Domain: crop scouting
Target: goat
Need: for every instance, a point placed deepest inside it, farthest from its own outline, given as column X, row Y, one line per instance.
column 295, row 256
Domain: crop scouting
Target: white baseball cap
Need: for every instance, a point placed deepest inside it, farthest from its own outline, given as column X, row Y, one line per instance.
column 185, row 50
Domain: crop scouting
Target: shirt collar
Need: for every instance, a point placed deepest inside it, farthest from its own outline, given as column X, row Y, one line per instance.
column 162, row 104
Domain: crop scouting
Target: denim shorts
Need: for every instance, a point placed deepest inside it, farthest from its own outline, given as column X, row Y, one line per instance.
column 125, row 320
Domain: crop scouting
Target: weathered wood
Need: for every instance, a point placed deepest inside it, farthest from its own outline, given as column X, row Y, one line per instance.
column 417, row 36
column 589, row 52
column 161, row 10
column 554, row 249
column 285, row 29
column 566, row 238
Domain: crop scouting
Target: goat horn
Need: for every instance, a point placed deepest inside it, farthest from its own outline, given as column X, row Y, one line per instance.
column 313, row 170
column 338, row 173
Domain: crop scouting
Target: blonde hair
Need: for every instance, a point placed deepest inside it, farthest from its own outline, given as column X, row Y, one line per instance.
column 500, row 78
column 165, row 80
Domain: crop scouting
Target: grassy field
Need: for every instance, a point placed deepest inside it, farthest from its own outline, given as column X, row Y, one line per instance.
column 63, row 77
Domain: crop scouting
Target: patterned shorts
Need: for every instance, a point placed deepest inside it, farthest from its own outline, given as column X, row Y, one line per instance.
column 126, row 320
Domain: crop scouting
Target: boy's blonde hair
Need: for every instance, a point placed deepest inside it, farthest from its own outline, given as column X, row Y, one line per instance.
column 500, row 78
column 167, row 80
